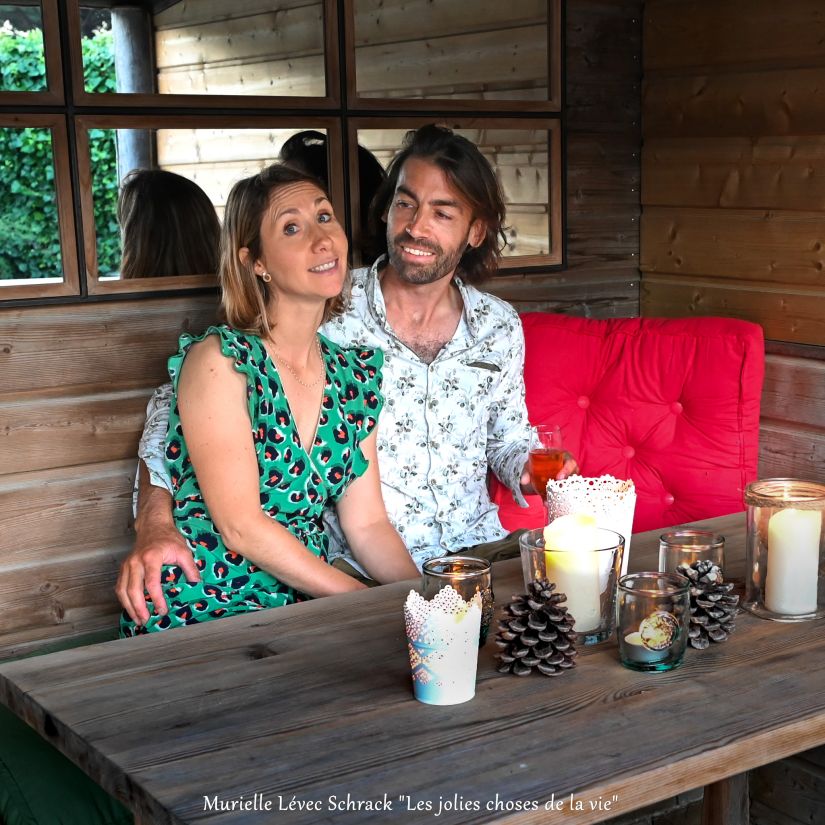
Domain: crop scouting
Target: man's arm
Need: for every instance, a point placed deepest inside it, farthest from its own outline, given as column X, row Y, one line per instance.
column 508, row 429
column 158, row 541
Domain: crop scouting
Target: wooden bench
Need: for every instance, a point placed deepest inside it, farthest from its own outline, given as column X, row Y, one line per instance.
column 76, row 380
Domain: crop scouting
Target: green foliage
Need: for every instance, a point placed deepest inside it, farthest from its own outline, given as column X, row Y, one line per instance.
column 28, row 211
column 22, row 60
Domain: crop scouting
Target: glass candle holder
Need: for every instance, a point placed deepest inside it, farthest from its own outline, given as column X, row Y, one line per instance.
column 687, row 546
column 653, row 613
column 467, row 576
column 785, row 550
column 586, row 576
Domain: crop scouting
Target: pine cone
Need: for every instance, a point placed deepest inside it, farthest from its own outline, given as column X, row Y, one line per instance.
column 536, row 631
column 712, row 607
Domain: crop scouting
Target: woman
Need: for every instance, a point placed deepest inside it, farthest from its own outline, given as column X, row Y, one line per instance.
column 271, row 421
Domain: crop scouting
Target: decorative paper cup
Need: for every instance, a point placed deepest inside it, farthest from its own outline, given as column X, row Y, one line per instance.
column 611, row 501
column 586, row 575
column 467, row 576
column 687, row 546
column 653, row 611
column 442, row 639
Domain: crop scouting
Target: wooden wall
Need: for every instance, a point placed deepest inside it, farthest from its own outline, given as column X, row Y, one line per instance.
column 602, row 161
column 733, row 193
column 76, row 380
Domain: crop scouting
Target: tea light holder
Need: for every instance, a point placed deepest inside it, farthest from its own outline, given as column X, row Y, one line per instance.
column 467, row 576
column 687, row 546
column 785, row 550
column 586, row 571
column 653, row 611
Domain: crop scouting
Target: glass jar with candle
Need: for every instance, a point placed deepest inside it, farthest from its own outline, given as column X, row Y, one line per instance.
column 583, row 561
column 785, row 550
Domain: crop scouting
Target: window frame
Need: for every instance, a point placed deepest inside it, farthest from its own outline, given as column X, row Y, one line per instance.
column 156, row 100
column 69, row 111
column 461, row 106
column 554, row 257
column 54, row 92
column 165, row 121
column 65, row 209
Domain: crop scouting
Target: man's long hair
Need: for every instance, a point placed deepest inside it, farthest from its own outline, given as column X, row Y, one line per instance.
column 469, row 172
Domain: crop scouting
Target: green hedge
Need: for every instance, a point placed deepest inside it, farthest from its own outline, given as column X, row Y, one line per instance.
column 28, row 211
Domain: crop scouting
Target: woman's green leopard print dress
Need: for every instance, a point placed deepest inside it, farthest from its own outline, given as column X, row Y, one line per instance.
column 294, row 485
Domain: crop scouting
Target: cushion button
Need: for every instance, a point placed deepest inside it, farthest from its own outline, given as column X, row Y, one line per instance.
column 628, row 452
column 583, row 402
column 676, row 408
column 667, row 499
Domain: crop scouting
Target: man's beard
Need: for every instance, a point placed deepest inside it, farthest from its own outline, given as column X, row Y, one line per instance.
column 443, row 265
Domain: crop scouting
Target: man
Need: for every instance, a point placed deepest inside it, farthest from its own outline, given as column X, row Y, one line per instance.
column 453, row 379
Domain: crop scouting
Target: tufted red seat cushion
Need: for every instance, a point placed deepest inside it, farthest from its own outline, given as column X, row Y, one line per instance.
column 671, row 403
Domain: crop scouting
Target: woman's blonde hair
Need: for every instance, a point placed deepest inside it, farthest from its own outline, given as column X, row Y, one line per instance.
column 244, row 295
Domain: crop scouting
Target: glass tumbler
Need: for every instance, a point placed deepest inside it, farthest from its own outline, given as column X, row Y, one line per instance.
column 687, row 546
column 587, row 576
column 467, row 576
column 652, row 615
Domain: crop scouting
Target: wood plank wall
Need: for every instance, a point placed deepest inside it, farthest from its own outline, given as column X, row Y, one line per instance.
column 76, row 380
column 602, row 158
column 733, row 193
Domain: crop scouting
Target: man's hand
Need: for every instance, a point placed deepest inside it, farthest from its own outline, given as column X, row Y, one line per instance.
column 158, row 542
column 141, row 570
column 570, row 468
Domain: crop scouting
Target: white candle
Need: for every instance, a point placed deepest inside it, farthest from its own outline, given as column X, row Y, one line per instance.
column 635, row 650
column 793, row 562
column 569, row 543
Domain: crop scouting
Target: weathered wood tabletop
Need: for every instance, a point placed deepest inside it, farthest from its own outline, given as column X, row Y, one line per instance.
column 306, row 714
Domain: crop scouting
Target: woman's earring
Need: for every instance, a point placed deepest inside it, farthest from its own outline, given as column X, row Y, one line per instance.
column 266, row 277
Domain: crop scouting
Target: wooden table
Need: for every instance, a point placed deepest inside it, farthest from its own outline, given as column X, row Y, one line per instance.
column 295, row 706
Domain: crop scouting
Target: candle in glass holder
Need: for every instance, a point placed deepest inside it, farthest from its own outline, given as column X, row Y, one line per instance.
column 569, row 545
column 793, row 561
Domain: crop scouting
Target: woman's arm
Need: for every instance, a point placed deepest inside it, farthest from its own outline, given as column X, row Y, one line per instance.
column 373, row 540
column 215, row 421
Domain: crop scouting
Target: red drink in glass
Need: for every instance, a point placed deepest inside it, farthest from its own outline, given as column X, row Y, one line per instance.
column 544, row 465
column 546, row 456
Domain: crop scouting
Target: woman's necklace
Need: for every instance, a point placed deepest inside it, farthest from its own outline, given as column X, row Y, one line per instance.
column 292, row 371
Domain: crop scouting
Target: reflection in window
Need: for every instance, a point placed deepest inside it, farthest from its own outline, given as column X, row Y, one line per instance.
column 199, row 168
column 264, row 48
column 22, row 57
column 519, row 158
column 425, row 49
column 28, row 210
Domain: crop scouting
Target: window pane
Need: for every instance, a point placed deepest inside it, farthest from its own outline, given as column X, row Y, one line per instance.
column 204, row 164
column 440, row 49
column 519, row 158
column 22, row 58
column 259, row 47
column 28, row 210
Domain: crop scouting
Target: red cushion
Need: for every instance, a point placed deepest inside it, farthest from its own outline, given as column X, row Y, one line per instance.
column 671, row 403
